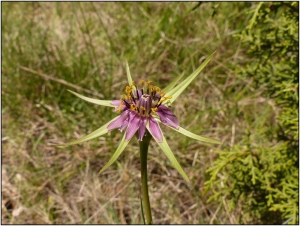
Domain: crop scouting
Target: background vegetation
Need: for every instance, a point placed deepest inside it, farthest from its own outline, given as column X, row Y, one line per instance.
column 263, row 177
column 247, row 97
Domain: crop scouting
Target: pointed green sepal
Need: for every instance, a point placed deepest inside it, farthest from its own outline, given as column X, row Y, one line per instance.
column 128, row 74
column 195, row 136
column 99, row 132
column 190, row 134
column 94, row 101
column 166, row 149
column 173, row 83
column 175, row 92
column 117, row 153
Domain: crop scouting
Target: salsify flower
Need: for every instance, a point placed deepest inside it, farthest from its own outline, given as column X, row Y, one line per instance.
column 142, row 108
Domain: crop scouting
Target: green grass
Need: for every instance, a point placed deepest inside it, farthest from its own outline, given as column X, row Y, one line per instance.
column 87, row 44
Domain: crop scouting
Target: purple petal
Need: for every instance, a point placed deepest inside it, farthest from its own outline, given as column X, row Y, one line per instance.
column 142, row 128
column 154, row 129
column 124, row 124
column 119, row 121
column 167, row 117
column 127, row 120
column 116, row 102
column 133, row 126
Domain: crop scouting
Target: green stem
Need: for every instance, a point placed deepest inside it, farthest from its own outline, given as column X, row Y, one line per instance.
column 145, row 196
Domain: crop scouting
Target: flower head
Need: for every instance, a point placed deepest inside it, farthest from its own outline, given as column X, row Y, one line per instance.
column 139, row 107
column 142, row 108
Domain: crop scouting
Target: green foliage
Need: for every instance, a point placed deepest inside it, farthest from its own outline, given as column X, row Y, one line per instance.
column 260, row 173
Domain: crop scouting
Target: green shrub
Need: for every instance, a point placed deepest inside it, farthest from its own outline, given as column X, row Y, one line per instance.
column 259, row 175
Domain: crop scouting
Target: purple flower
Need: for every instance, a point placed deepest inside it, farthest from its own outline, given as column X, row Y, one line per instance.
column 139, row 107
column 142, row 108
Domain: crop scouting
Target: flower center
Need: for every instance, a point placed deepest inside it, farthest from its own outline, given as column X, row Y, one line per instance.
column 144, row 101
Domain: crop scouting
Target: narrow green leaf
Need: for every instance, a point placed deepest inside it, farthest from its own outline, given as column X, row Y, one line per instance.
column 191, row 135
column 128, row 74
column 94, row 101
column 195, row 136
column 173, row 83
column 99, row 132
column 117, row 153
column 175, row 92
column 166, row 149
